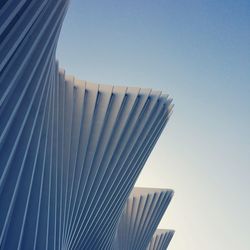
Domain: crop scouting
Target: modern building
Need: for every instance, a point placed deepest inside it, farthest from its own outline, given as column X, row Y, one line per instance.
column 141, row 215
column 161, row 239
column 70, row 150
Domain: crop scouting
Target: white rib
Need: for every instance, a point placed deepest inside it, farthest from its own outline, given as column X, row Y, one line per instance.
column 161, row 239
column 140, row 218
column 70, row 150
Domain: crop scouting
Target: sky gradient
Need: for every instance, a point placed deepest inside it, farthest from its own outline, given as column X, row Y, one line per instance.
column 198, row 52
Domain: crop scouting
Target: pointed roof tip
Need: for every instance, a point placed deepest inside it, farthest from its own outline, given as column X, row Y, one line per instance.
column 165, row 230
column 150, row 90
column 148, row 190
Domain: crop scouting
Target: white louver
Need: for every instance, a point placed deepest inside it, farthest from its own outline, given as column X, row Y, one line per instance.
column 70, row 150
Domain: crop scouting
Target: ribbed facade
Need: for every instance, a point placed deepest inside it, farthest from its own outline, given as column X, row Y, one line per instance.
column 161, row 239
column 70, row 150
column 141, row 215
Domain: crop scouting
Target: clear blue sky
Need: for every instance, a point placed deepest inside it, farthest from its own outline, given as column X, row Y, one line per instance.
column 199, row 53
